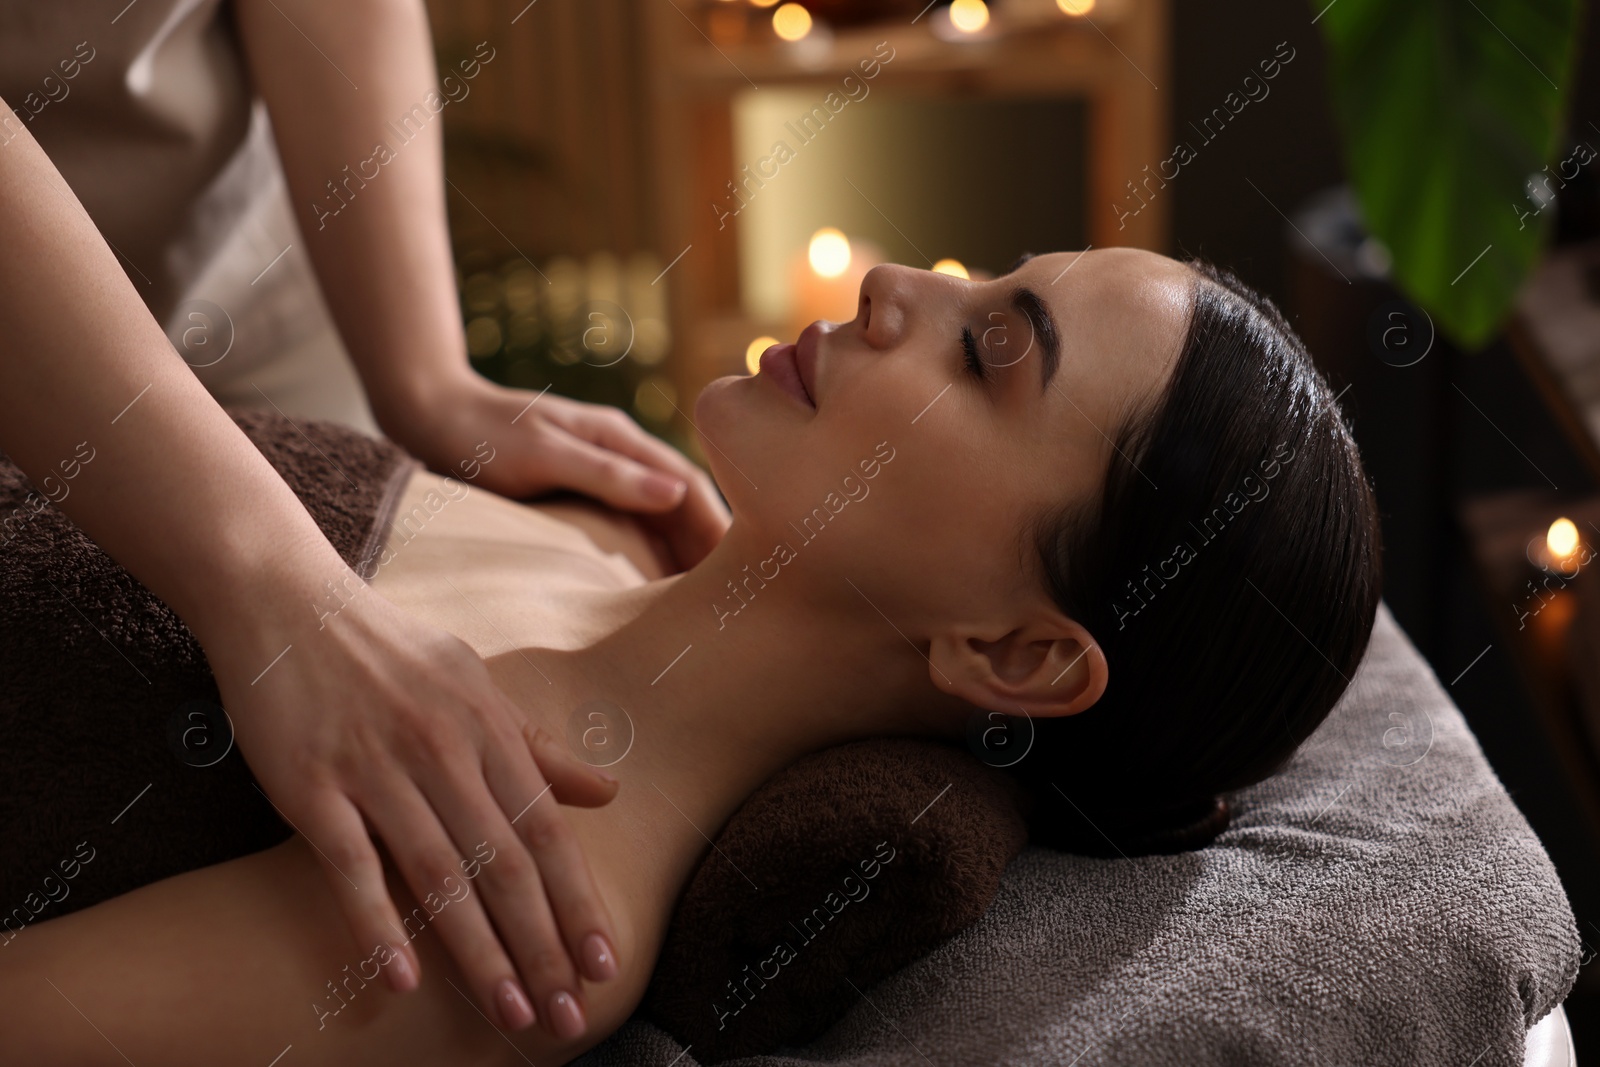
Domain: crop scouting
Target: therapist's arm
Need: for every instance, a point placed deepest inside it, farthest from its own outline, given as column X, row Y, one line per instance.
column 358, row 113
column 374, row 716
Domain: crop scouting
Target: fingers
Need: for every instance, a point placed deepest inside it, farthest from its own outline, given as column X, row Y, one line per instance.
column 611, row 428
column 610, row 476
column 442, row 875
column 355, row 871
column 572, row 781
column 506, row 803
column 692, row 522
column 584, row 920
column 694, row 528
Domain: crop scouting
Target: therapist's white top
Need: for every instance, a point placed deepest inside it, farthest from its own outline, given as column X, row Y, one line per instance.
column 147, row 110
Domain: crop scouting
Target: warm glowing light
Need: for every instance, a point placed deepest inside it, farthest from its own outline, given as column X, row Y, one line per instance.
column 1562, row 538
column 829, row 252
column 752, row 352
column 952, row 267
column 969, row 16
column 1075, row 7
column 791, row 22
column 763, row 3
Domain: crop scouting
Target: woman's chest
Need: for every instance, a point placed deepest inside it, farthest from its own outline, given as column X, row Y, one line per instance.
column 497, row 573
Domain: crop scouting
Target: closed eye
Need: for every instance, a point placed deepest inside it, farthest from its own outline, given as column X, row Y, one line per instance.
column 975, row 365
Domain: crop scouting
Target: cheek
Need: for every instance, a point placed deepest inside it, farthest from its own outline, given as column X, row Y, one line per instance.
column 962, row 492
column 860, row 484
column 920, row 546
column 923, row 511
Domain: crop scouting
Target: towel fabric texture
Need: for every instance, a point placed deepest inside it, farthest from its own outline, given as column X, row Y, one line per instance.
column 1381, row 901
column 113, row 743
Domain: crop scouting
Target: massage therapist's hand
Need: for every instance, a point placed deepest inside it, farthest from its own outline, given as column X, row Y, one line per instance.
column 381, row 717
column 543, row 441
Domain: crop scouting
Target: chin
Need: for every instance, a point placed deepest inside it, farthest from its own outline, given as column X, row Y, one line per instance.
column 712, row 412
column 723, row 414
column 747, row 436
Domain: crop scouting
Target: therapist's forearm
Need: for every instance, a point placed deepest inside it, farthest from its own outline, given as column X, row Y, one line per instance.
column 174, row 490
column 339, row 79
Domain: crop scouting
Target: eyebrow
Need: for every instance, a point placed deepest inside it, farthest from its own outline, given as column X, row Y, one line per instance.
column 1030, row 307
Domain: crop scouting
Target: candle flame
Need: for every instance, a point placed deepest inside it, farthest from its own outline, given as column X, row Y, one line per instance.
column 969, row 16
column 1562, row 538
column 791, row 22
column 829, row 252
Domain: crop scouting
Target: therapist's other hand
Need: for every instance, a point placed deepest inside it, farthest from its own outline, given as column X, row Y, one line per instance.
column 541, row 442
column 379, row 716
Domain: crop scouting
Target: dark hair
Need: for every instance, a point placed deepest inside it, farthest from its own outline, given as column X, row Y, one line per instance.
column 1230, row 573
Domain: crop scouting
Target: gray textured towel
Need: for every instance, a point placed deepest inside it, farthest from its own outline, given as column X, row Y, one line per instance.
column 1382, row 901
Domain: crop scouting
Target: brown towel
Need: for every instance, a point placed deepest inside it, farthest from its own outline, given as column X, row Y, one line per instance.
column 117, row 770
column 113, row 745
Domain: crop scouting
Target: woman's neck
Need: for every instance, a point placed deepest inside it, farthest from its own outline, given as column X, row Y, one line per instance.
column 721, row 687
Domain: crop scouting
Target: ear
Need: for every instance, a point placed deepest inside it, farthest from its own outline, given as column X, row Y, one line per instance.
column 1047, row 667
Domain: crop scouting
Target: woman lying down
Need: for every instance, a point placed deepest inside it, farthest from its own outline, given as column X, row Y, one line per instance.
column 1106, row 491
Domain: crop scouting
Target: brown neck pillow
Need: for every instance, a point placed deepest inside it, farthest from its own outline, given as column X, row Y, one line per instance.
column 864, row 858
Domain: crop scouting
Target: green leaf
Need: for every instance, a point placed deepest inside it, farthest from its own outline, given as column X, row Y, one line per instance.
column 1447, row 107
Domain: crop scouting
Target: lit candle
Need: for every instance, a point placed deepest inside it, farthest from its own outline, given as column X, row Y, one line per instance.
column 791, row 22
column 1562, row 541
column 969, row 16
column 1559, row 553
column 829, row 252
column 825, row 279
column 953, row 267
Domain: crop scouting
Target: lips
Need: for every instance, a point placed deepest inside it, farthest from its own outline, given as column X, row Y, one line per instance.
column 805, row 358
column 782, row 364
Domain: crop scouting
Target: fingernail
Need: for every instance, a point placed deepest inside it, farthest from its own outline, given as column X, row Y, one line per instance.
column 605, row 776
column 597, row 956
column 664, row 488
column 402, row 976
column 514, row 1006
column 566, row 1018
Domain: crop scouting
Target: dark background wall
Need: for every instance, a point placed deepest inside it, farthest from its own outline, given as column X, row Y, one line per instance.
column 1286, row 144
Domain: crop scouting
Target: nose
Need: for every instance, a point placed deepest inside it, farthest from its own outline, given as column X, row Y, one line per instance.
column 886, row 292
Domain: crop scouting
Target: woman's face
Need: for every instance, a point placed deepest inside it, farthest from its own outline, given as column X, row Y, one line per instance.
column 908, row 474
